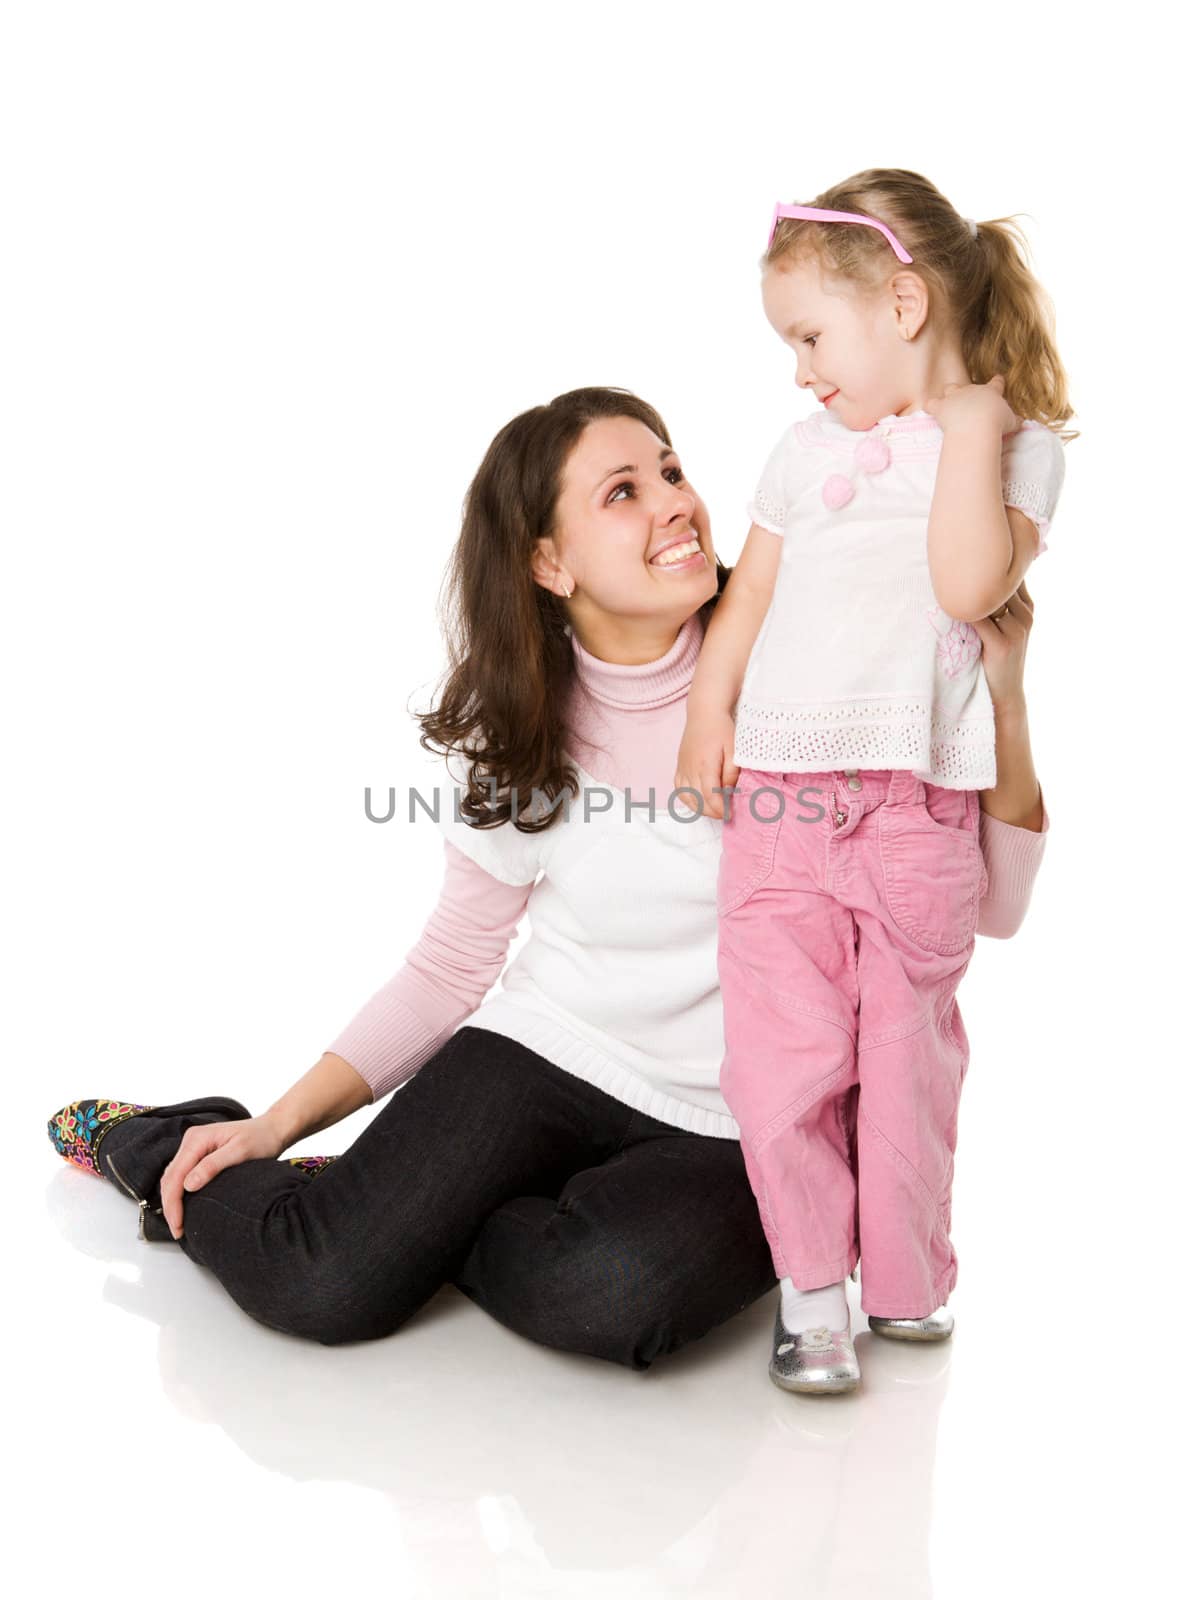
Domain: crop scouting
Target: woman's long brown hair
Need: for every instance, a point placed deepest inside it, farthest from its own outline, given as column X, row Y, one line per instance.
column 510, row 659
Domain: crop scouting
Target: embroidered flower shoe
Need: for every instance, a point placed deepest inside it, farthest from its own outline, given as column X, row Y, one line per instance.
column 76, row 1133
column 77, row 1130
column 818, row 1361
column 923, row 1329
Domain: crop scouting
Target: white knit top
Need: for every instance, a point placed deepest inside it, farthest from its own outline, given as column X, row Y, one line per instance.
column 855, row 664
column 619, row 982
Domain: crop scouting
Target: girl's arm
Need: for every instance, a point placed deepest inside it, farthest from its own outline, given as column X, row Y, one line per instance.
column 705, row 761
column 978, row 547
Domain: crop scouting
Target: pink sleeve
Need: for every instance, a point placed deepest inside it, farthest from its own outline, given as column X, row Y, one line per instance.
column 1012, row 859
column 458, row 958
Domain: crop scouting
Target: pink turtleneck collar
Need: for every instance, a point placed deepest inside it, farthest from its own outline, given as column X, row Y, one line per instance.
column 652, row 683
column 625, row 723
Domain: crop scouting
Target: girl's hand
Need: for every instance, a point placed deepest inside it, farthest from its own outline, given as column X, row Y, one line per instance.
column 1003, row 649
column 207, row 1148
column 706, row 760
column 973, row 406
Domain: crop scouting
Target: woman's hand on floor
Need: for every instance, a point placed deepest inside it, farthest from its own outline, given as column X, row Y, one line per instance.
column 207, row 1149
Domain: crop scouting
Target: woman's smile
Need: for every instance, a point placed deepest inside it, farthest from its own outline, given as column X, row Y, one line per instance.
column 677, row 557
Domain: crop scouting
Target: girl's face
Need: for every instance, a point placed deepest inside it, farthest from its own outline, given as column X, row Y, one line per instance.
column 850, row 346
column 624, row 507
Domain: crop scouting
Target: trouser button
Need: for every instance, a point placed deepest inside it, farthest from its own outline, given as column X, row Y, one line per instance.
column 853, row 779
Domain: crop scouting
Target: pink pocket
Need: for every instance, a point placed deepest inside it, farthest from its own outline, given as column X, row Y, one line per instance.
column 933, row 869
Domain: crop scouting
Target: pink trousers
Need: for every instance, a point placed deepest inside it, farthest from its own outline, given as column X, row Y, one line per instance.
column 846, row 920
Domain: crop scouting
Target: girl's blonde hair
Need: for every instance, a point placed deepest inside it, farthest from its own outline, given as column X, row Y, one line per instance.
column 983, row 281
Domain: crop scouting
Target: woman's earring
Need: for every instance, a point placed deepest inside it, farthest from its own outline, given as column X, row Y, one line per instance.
column 566, row 592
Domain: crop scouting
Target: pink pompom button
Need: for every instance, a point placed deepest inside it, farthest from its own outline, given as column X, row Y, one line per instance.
column 873, row 455
column 838, row 491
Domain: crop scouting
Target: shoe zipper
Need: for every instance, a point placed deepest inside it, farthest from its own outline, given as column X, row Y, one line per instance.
column 138, row 1198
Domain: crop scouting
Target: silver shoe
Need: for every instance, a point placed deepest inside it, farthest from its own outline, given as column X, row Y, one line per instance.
column 818, row 1361
column 928, row 1329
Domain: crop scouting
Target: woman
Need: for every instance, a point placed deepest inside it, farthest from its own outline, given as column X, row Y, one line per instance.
column 566, row 1158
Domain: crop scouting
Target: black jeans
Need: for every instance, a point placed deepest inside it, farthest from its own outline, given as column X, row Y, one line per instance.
column 566, row 1215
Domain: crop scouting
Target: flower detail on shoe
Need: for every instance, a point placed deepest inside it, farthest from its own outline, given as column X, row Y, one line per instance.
column 810, row 1339
column 77, row 1129
column 815, row 1340
column 817, row 1361
column 960, row 643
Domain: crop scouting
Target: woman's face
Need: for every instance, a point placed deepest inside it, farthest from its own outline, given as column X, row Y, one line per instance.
column 624, row 504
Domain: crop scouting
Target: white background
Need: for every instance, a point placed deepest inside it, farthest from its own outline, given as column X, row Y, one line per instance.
column 273, row 277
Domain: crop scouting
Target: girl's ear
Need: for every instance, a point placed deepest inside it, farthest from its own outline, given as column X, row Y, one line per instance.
column 909, row 303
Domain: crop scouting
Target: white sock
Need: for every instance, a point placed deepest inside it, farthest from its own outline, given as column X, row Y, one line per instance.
column 814, row 1308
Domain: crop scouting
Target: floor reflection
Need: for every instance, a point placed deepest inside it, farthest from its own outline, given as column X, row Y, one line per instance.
column 506, row 1464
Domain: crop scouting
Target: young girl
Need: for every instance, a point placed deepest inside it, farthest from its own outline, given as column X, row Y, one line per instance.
column 882, row 529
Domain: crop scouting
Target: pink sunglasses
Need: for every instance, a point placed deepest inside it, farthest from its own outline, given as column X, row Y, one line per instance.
column 836, row 216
